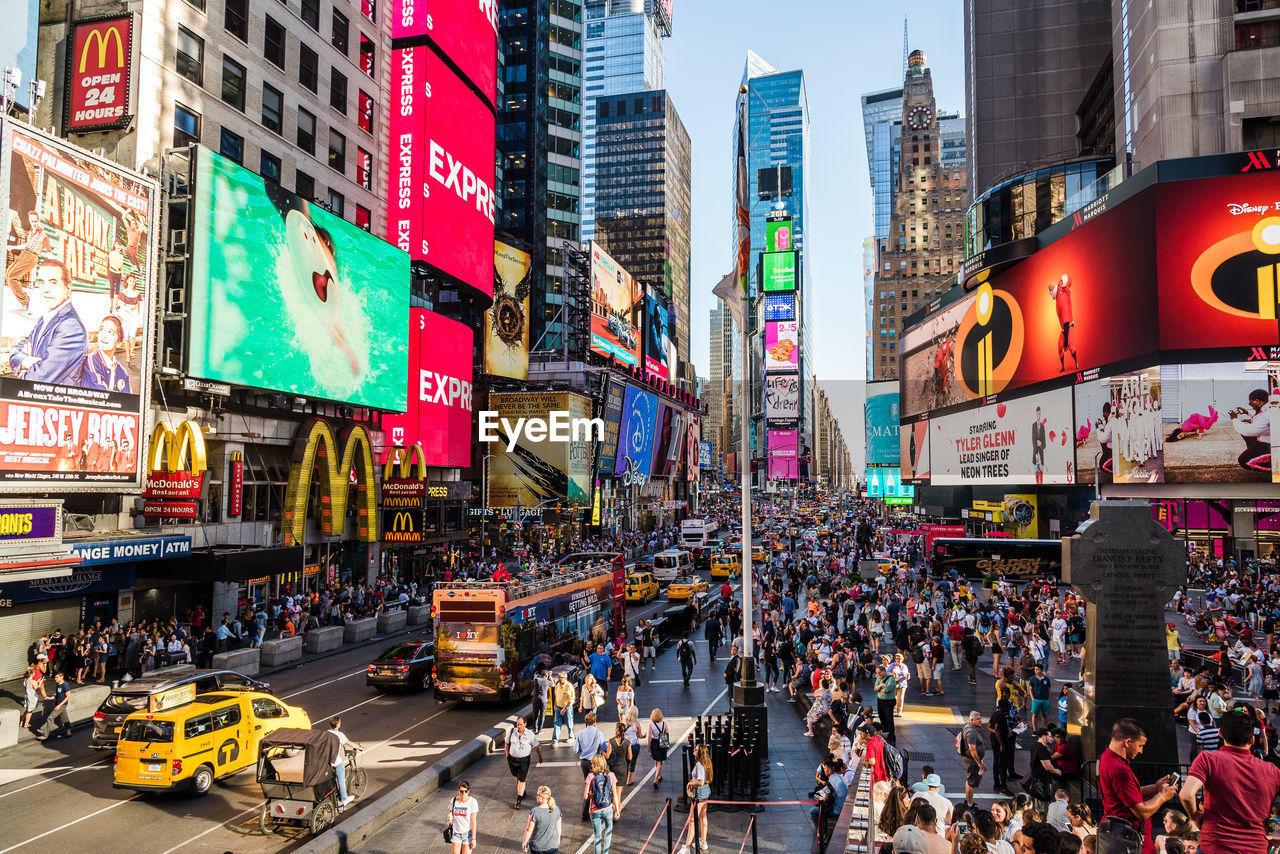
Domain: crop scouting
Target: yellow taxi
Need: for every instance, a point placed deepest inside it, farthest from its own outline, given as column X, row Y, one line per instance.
column 190, row 746
column 685, row 587
column 641, row 587
column 758, row 554
column 725, row 566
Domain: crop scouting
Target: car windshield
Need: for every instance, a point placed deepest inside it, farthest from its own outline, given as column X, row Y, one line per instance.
column 399, row 652
column 684, row 579
column 144, row 730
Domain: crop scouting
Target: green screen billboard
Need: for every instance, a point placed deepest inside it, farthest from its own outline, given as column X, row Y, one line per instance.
column 779, row 271
column 289, row 297
column 777, row 235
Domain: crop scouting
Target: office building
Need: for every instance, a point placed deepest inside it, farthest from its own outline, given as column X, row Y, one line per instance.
column 716, row 391
column 622, row 52
column 643, row 214
column 882, row 123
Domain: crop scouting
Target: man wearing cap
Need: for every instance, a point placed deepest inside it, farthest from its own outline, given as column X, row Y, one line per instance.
column 934, row 797
column 910, row 839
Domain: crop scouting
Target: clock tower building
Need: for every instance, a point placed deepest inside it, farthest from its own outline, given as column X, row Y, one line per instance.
column 919, row 258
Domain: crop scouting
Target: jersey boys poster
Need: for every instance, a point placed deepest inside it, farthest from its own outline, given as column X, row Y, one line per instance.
column 75, row 315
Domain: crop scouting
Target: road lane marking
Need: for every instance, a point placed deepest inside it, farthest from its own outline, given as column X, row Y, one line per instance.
column 356, row 706
column 68, row 824
column 322, row 684
column 56, row 776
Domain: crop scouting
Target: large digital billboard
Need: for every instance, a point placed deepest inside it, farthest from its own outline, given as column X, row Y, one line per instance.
column 779, row 269
column 693, row 441
column 466, row 30
column 783, row 454
column 782, row 345
column 782, row 398
column 777, row 235
column 612, row 415
column 914, row 438
column 887, row 482
column 1118, row 428
column 1218, row 421
column 440, row 205
column 634, row 461
column 539, row 471
column 77, row 306
column 440, row 403
column 616, row 301
column 674, row 427
column 1022, row 441
column 506, row 323
column 881, row 423
column 657, row 338
column 287, row 296
column 780, row 306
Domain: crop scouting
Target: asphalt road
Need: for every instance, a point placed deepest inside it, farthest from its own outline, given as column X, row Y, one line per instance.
column 58, row 795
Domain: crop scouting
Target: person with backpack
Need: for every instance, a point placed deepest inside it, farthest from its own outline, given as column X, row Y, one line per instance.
column 591, row 743
column 972, row 646
column 601, row 793
column 687, row 657
column 971, row 745
column 659, row 743
column 713, row 632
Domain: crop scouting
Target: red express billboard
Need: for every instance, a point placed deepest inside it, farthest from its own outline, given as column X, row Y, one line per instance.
column 466, row 30
column 99, row 73
column 440, row 398
column 440, row 207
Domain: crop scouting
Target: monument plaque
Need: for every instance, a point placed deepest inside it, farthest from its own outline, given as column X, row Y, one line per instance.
column 1126, row 566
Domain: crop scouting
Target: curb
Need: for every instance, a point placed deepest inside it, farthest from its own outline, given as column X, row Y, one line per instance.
column 355, row 831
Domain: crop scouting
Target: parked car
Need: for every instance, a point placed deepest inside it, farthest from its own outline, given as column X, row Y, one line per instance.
column 159, row 690
column 405, row 665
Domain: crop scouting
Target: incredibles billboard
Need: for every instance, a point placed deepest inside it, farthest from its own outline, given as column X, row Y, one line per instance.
column 287, row 296
column 439, row 406
column 616, row 301
column 75, row 316
column 99, row 74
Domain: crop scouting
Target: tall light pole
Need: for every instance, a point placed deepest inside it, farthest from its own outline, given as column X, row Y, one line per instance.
column 484, row 498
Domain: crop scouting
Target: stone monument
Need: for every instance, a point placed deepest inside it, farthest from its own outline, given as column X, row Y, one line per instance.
column 1126, row 566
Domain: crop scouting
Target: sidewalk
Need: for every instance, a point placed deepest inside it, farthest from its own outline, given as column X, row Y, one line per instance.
column 792, row 760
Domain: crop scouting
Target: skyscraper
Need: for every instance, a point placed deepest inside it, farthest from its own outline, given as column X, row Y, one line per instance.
column 539, row 146
column 642, row 197
column 622, row 52
column 922, row 252
column 715, row 394
column 882, row 123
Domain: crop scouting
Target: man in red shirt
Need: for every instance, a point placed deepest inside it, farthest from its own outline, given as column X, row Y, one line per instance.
column 1122, row 797
column 1238, row 789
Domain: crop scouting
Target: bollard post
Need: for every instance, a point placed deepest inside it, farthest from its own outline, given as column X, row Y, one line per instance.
column 755, row 839
column 669, row 842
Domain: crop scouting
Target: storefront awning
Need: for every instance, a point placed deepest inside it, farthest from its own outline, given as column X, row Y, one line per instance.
column 228, row 564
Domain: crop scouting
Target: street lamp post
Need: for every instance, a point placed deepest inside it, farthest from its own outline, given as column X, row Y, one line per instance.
column 484, row 499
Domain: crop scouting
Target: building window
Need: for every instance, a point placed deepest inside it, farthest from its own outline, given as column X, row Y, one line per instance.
column 337, row 204
column 337, row 151
column 190, row 56
column 311, row 14
column 366, row 55
column 233, row 83
column 231, row 146
column 272, row 108
column 304, row 185
column 306, row 131
column 364, row 168
column 273, row 42
column 363, row 219
column 338, row 90
column 341, row 31
column 365, row 117
column 308, row 68
column 186, row 126
column 269, row 166
column 369, row 8
column 236, row 19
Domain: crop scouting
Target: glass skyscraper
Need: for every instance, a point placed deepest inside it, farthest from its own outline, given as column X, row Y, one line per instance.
column 622, row 52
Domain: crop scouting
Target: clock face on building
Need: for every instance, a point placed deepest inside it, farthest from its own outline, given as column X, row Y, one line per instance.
column 919, row 117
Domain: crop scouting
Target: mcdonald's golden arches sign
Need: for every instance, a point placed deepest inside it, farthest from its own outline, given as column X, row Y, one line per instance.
column 340, row 471
column 176, row 466
column 99, row 73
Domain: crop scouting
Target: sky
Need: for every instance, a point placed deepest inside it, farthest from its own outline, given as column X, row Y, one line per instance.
column 845, row 48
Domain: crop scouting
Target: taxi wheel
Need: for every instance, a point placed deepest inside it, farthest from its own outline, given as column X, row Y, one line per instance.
column 202, row 780
column 322, row 816
column 265, row 824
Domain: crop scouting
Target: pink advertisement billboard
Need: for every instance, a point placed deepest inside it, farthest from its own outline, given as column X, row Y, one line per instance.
column 782, row 345
column 783, row 455
column 439, row 414
column 466, row 30
column 440, row 205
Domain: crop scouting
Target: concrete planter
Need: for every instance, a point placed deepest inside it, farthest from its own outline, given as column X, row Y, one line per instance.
column 246, row 661
column 323, row 640
column 281, row 651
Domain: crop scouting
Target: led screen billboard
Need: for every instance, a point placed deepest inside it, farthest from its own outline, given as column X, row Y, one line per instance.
column 914, row 439
column 783, row 454
column 634, row 461
column 287, row 296
column 880, row 416
column 777, row 235
column 1218, row 422
column 657, row 339
column 673, row 440
column 612, row 424
column 506, row 323
column 1118, row 428
column 782, row 345
column 539, row 471
column 887, row 483
column 440, row 402
column 74, row 329
column 779, row 271
column 466, row 30
column 780, row 306
column 616, row 300
column 693, row 441
column 782, row 398
column 704, row 455
column 1022, row 441
column 440, row 205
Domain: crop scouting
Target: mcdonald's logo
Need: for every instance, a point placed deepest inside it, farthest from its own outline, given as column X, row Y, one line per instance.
column 401, row 526
column 989, row 342
column 318, row 455
column 1239, row 275
column 103, row 38
column 402, row 463
column 171, row 447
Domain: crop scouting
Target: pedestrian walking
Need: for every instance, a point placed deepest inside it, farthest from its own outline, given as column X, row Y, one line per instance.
column 659, row 743
column 632, row 722
column 590, row 742
column 625, row 697
column 463, row 812
column 699, row 791
column 648, row 642
column 688, row 657
column 564, row 695
column 713, row 631
column 902, row 675
column 543, row 832
column 520, row 745
column 601, row 792
column 33, row 688
column 733, row 670
column 886, row 699
column 592, row 695
column 57, row 716
column 972, row 647
column 631, row 663
column 620, row 751
column 542, row 685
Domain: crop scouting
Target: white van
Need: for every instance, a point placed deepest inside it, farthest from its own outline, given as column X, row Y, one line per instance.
column 667, row 565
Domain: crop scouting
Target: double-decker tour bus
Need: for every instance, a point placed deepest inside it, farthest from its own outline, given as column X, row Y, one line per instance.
column 973, row 558
column 619, row 565
column 491, row 635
